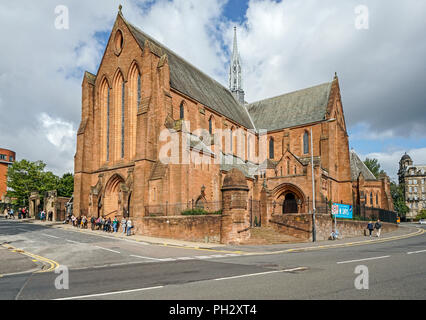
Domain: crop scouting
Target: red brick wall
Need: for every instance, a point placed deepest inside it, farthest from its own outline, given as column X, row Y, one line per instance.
column 300, row 226
column 189, row 228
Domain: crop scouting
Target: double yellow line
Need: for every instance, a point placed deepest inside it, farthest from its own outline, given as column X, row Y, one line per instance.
column 51, row 264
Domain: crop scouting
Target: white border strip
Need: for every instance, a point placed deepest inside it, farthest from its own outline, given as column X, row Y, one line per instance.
column 367, row 259
column 109, row 293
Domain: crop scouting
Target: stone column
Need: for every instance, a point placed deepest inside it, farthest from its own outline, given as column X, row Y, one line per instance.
column 235, row 227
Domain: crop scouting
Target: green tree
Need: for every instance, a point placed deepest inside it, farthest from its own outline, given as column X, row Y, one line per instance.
column 66, row 185
column 397, row 193
column 374, row 166
column 24, row 177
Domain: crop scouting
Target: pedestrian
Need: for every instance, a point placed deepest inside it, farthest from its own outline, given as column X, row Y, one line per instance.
column 20, row 213
column 129, row 227
column 115, row 224
column 370, row 227
column 378, row 227
column 12, row 214
column 92, row 222
column 50, row 216
column 124, row 224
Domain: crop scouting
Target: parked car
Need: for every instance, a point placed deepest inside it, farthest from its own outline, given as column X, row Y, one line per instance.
column 422, row 221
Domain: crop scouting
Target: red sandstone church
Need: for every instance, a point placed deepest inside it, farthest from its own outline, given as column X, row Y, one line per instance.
column 143, row 89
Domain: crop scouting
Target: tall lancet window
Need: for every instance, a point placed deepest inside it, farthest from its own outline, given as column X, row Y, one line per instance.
column 134, row 100
column 306, row 142
column 271, row 148
column 139, row 90
column 108, row 123
column 122, row 119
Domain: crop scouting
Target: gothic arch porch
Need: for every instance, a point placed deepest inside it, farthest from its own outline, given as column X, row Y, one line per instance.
column 289, row 198
column 113, row 197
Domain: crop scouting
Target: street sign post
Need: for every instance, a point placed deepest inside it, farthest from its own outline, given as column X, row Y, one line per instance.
column 341, row 211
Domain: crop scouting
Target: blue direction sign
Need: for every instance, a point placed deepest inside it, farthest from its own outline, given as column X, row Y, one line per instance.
column 342, row 211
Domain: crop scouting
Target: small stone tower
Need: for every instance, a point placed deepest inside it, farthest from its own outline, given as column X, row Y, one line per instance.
column 235, row 218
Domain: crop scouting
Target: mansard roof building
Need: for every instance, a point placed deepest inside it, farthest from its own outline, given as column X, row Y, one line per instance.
column 413, row 178
column 143, row 92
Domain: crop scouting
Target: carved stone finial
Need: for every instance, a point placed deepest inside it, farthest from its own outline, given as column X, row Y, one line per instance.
column 120, row 7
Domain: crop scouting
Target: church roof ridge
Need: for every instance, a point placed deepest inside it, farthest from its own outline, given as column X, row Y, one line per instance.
column 291, row 92
column 190, row 80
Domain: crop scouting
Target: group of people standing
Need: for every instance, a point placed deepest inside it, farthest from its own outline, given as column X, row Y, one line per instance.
column 102, row 223
column 42, row 215
column 9, row 213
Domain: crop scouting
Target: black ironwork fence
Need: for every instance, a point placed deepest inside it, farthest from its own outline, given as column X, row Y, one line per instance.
column 365, row 213
column 189, row 208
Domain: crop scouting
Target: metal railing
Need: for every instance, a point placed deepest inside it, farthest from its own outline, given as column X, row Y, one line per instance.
column 187, row 208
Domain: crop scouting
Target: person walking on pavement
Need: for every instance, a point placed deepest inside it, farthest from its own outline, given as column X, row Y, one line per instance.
column 378, row 227
column 129, row 227
column 12, row 214
column 370, row 227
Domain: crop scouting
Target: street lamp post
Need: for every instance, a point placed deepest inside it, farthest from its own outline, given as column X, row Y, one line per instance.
column 314, row 229
column 314, row 236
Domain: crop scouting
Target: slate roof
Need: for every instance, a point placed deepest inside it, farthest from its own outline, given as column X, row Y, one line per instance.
column 291, row 109
column 357, row 167
column 190, row 81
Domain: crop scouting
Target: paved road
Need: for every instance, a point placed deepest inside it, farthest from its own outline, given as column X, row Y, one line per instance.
column 109, row 268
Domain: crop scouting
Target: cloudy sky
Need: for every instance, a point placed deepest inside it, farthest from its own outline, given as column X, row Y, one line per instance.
column 284, row 45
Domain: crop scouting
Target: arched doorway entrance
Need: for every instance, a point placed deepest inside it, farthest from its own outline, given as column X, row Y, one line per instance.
column 289, row 199
column 111, row 202
column 290, row 204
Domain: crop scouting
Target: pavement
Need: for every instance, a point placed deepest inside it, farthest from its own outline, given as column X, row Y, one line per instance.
column 408, row 230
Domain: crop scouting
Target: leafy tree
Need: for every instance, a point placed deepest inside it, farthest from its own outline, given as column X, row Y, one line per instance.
column 24, row 177
column 397, row 193
column 66, row 185
column 374, row 166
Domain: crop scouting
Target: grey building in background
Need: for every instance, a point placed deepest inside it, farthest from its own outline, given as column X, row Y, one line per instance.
column 413, row 177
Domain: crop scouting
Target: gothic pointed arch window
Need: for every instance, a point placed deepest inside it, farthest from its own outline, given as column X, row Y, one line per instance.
column 118, row 116
column 371, row 198
column 306, row 142
column 271, row 148
column 231, row 138
column 135, row 99
column 105, row 102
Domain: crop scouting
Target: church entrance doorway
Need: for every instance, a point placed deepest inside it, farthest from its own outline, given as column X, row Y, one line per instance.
column 112, row 199
column 290, row 204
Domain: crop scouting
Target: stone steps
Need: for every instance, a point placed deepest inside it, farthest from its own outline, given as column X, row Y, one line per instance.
column 268, row 235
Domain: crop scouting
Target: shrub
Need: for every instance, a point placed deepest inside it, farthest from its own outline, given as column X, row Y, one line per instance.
column 199, row 212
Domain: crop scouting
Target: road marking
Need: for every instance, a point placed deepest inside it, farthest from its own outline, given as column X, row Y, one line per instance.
column 108, row 249
column 75, row 242
column 167, row 259
column 145, row 257
column 185, row 258
column 110, row 293
column 262, row 273
column 48, row 235
column 414, row 252
column 203, row 257
column 367, row 259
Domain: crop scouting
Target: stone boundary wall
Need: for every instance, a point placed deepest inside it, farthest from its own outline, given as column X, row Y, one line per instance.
column 188, row 228
column 300, row 226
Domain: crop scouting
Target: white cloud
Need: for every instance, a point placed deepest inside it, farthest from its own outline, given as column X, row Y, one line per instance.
column 59, row 132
